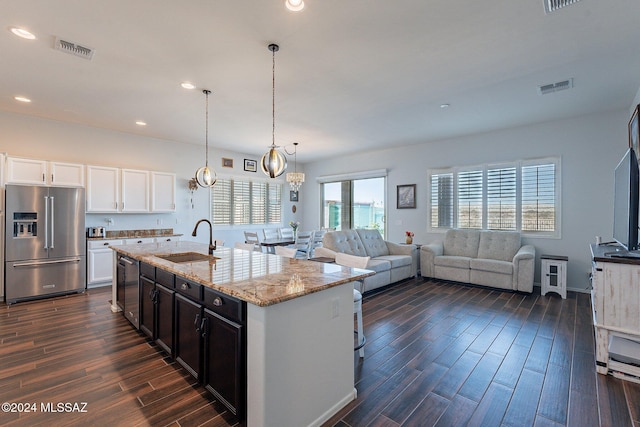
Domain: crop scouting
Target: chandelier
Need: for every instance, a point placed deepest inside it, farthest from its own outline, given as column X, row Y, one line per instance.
column 273, row 162
column 206, row 177
column 295, row 178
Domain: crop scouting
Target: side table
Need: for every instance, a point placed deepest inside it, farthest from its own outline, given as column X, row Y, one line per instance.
column 553, row 274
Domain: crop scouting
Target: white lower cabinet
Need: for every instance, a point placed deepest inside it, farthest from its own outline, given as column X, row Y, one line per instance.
column 100, row 261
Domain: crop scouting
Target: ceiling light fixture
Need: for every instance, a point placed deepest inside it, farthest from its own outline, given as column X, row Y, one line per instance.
column 187, row 85
column 295, row 178
column 21, row 32
column 22, row 99
column 294, row 5
column 273, row 162
column 206, row 177
column 141, row 123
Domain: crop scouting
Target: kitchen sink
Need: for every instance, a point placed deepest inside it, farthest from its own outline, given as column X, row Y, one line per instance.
column 187, row 257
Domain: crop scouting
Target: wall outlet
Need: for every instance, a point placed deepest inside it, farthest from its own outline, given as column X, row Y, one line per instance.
column 335, row 308
column 159, row 221
column 109, row 221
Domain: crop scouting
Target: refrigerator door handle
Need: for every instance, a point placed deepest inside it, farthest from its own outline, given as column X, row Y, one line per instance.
column 46, row 222
column 34, row 263
column 52, row 223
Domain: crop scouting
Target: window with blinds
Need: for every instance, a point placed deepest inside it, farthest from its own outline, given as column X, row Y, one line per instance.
column 442, row 200
column 538, row 197
column 470, row 213
column 238, row 202
column 522, row 196
column 501, row 199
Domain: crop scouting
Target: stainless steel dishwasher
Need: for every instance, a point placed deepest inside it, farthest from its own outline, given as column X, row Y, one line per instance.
column 128, row 295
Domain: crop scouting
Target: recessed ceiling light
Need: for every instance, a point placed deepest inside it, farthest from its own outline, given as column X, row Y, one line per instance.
column 21, row 32
column 188, row 85
column 22, row 99
column 294, row 5
column 141, row 123
column 445, row 106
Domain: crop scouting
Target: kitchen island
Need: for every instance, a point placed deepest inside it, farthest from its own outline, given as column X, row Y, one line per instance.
column 297, row 325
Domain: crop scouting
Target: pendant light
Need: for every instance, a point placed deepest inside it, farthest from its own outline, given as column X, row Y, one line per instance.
column 273, row 162
column 295, row 178
column 206, row 177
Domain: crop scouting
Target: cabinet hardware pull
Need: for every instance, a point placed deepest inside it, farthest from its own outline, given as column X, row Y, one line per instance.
column 43, row 178
column 203, row 327
column 196, row 323
column 106, row 244
column 217, row 302
column 184, row 286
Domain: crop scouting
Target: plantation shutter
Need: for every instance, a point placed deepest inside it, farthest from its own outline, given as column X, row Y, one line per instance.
column 221, row 202
column 258, row 202
column 470, row 199
column 241, row 202
column 501, row 199
column 274, row 204
column 539, row 197
column 442, row 200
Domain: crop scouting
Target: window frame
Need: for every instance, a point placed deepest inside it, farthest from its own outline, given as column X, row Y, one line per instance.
column 518, row 164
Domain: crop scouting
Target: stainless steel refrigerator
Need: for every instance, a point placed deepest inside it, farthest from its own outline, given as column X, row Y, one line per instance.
column 45, row 244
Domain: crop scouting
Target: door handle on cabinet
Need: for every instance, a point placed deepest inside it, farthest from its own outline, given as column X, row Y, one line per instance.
column 184, row 286
column 196, row 322
column 217, row 301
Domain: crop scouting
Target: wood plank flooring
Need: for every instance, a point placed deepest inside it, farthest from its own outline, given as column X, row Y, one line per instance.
column 437, row 354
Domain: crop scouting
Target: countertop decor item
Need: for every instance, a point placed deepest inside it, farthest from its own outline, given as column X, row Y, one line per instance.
column 206, row 177
column 273, row 162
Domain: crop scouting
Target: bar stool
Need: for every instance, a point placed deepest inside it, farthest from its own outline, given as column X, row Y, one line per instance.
column 356, row 262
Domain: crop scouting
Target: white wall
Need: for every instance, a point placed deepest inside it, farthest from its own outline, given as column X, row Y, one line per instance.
column 25, row 136
column 589, row 146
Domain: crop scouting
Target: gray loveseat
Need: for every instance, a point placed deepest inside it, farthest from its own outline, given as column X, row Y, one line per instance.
column 391, row 261
column 481, row 257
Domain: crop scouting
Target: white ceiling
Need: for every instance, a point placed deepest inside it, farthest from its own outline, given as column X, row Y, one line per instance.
column 350, row 75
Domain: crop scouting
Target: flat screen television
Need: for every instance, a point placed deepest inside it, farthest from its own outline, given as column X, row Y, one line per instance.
column 625, row 202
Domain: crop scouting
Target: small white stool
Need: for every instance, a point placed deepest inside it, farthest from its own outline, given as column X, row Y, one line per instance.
column 553, row 272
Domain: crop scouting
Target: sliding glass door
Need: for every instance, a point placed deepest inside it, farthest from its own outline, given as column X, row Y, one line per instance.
column 358, row 203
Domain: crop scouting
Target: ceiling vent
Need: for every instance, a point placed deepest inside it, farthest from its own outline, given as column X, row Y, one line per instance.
column 553, row 5
column 74, row 48
column 555, row 87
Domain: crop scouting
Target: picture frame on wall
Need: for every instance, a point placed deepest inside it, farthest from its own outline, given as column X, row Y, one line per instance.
column 227, row 163
column 406, row 196
column 634, row 131
column 250, row 165
column 293, row 196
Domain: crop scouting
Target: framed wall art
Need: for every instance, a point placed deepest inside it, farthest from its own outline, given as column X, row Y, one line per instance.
column 634, row 131
column 227, row 163
column 406, row 196
column 293, row 196
column 250, row 165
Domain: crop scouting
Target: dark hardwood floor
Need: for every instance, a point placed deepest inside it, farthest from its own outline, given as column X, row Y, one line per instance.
column 436, row 354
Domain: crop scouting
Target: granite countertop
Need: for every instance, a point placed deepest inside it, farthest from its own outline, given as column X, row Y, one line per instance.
column 136, row 234
column 257, row 278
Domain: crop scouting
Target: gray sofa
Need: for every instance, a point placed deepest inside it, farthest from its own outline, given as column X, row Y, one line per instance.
column 391, row 261
column 481, row 257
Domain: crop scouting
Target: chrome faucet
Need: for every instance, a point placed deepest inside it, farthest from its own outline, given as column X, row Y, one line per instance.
column 212, row 246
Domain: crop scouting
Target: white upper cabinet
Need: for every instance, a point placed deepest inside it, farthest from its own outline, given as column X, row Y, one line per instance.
column 103, row 189
column 163, row 192
column 26, row 171
column 42, row 172
column 135, row 190
column 66, row 174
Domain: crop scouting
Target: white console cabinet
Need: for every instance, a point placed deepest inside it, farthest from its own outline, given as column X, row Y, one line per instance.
column 615, row 300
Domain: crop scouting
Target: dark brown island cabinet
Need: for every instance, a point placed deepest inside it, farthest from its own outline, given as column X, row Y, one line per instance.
column 202, row 329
